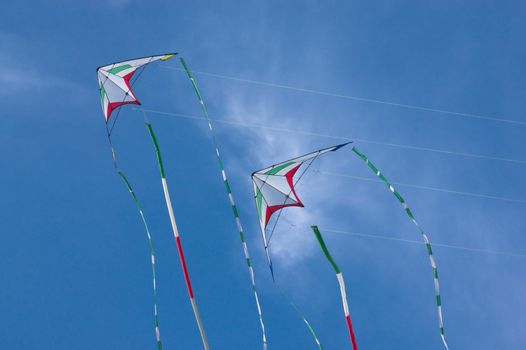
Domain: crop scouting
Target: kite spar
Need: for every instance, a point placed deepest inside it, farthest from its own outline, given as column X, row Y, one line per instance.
column 422, row 232
column 232, row 203
column 341, row 282
column 115, row 89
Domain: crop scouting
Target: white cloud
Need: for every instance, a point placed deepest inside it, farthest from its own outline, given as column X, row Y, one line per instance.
column 22, row 76
column 293, row 241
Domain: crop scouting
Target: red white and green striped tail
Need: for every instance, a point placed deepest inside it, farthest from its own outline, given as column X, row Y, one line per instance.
column 274, row 189
column 177, row 238
column 341, row 282
column 422, row 232
column 114, row 82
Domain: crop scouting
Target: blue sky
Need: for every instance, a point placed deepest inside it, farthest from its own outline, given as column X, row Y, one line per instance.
column 75, row 271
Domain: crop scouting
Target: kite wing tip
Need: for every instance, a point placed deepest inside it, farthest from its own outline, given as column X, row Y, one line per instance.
column 342, row 145
column 168, row 56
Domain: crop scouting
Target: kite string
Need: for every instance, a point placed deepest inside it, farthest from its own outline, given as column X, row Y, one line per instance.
column 403, row 240
column 315, row 134
column 427, row 188
column 422, row 232
column 232, row 204
column 360, row 99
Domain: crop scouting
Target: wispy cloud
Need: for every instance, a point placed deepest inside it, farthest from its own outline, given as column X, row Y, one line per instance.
column 292, row 242
column 19, row 75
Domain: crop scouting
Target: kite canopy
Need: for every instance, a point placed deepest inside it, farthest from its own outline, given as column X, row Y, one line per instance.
column 114, row 82
column 274, row 186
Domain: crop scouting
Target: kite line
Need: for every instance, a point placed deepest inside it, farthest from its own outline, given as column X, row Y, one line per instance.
column 428, row 188
column 232, row 203
column 422, row 232
column 176, row 236
column 341, row 282
column 410, row 241
column 336, row 137
column 358, row 98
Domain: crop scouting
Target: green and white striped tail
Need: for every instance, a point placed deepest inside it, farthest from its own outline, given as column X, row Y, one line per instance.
column 232, row 204
column 152, row 255
column 422, row 232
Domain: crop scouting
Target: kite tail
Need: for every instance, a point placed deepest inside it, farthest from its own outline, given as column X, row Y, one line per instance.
column 232, row 204
column 152, row 254
column 422, row 232
column 301, row 315
column 341, row 282
column 177, row 238
column 289, row 299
